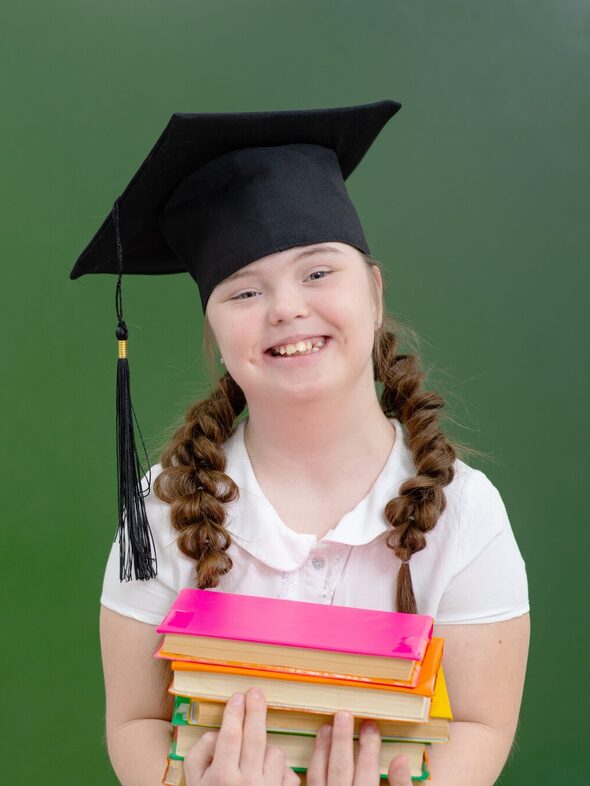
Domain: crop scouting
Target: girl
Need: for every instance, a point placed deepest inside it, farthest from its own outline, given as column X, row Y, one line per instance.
column 294, row 479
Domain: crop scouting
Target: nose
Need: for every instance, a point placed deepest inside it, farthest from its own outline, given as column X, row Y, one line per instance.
column 286, row 304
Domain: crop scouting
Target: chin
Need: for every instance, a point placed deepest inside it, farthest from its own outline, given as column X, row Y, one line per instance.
column 305, row 392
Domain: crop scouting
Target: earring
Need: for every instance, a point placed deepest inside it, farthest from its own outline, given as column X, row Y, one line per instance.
column 222, row 361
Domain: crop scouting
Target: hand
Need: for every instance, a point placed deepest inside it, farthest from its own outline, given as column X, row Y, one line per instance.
column 237, row 754
column 332, row 758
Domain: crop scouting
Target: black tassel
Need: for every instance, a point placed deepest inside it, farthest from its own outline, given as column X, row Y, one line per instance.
column 137, row 551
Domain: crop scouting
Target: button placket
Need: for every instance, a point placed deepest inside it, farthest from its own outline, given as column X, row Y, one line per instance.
column 322, row 570
column 335, row 569
column 288, row 588
column 328, row 580
column 314, row 573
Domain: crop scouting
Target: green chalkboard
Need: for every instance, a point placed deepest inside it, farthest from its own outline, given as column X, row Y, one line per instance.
column 475, row 198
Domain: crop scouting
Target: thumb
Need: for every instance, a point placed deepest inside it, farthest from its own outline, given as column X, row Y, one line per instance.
column 399, row 772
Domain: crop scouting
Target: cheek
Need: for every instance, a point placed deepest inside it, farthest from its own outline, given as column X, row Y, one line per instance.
column 360, row 331
column 239, row 340
column 337, row 305
column 235, row 340
column 355, row 318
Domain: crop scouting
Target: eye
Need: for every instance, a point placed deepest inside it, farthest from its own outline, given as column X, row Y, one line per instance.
column 247, row 295
column 318, row 274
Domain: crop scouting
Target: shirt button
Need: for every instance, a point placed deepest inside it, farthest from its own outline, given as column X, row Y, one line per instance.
column 318, row 562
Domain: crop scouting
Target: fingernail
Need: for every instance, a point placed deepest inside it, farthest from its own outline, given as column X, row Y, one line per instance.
column 341, row 718
column 237, row 699
column 369, row 727
column 255, row 693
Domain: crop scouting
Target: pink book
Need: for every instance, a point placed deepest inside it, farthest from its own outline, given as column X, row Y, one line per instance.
column 296, row 623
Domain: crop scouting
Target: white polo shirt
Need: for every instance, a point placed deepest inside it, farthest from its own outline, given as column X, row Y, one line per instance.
column 471, row 570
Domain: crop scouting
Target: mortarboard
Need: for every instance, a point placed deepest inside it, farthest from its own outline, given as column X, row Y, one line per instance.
column 216, row 192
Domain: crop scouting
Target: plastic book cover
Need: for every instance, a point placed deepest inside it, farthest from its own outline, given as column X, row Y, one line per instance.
column 298, row 624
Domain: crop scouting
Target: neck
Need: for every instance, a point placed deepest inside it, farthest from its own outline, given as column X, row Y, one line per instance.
column 321, row 437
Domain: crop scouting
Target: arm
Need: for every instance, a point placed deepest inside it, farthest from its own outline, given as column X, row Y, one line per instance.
column 485, row 667
column 138, row 707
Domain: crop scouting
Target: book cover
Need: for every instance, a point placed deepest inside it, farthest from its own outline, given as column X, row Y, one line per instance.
column 440, row 707
column 424, row 685
column 298, row 624
column 181, row 712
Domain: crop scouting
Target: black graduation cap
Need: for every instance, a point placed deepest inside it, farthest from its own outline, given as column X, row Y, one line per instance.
column 216, row 192
column 219, row 190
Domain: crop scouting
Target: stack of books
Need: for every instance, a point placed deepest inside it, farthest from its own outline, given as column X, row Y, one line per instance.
column 310, row 660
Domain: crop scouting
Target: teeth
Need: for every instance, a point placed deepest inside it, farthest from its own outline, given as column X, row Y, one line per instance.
column 301, row 347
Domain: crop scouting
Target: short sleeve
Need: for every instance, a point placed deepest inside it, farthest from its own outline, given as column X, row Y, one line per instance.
column 148, row 600
column 489, row 582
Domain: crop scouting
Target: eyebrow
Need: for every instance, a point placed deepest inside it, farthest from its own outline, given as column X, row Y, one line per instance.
column 309, row 252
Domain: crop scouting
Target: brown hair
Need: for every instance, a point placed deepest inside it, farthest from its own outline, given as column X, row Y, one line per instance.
column 193, row 479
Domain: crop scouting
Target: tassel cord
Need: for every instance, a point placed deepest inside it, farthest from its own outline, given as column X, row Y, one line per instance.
column 137, row 552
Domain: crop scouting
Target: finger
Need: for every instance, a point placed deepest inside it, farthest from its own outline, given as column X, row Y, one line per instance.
column 399, row 772
column 317, row 771
column 274, row 765
column 254, row 734
column 229, row 741
column 199, row 757
column 290, row 778
column 341, row 763
column 366, row 772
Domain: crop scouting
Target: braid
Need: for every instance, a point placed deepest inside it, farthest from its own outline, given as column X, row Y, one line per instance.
column 193, row 480
column 421, row 499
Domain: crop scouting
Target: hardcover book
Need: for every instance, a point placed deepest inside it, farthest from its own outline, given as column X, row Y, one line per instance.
column 283, row 634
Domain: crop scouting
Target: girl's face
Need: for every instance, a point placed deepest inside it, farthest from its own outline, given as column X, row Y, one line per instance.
column 298, row 323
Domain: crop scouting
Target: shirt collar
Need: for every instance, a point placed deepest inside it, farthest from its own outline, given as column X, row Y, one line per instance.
column 256, row 526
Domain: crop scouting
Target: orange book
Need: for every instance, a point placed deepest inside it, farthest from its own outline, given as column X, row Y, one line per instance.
column 423, row 687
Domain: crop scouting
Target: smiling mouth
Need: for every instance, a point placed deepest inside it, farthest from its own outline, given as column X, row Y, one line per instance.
column 308, row 347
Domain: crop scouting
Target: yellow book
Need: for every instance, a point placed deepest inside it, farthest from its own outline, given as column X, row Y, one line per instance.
column 440, row 707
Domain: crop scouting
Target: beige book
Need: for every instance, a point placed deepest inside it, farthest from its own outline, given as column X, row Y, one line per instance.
column 209, row 713
column 311, row 697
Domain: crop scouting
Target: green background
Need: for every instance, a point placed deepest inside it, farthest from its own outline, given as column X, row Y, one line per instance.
column 475, row 198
